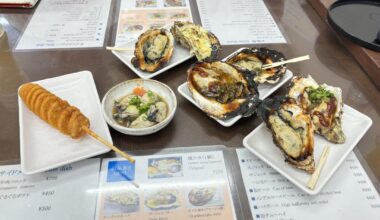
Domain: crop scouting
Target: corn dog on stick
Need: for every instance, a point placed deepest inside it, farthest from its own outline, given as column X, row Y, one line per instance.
column 61, row 115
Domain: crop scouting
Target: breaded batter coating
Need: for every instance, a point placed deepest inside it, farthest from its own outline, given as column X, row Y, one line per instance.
column 53, row 110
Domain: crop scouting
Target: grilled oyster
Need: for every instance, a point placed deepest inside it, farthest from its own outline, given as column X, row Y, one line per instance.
column 127, row 201
column 323, row 103
column 251, row 60
column 222, row 91
column 201, row 195
column 292, row 131
column 202, row 43
column 163, row 200
column 152, row 49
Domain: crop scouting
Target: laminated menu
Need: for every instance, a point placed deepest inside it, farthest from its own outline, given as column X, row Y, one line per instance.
column 349, row 194
column 67, row 192
column 137, row 16
column 66, row 24
column 171, row 186
column 239, row 21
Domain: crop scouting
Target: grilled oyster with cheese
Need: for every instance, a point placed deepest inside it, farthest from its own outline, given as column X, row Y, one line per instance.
column 201, row 195
column 221, row 91
column 292, row 131
column 251, row 60
column 127, row 201
column 152, row 49
column 202, row 43
column 323, row 103
column 163, row 200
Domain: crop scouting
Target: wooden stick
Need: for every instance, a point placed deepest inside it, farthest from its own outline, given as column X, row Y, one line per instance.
column 314, row 177
column 294, row 60
column 101, row 140
column 117, row 150
column 120, row 48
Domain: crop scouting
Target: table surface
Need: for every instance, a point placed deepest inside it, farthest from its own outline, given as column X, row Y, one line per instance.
column 304, row 30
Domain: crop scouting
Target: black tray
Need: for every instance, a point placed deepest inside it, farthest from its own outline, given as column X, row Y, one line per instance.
column 359, row 21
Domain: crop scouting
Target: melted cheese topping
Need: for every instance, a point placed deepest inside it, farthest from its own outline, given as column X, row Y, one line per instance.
column 249, row 64
column 300, row 85
column 198, row 40
column 203, row 82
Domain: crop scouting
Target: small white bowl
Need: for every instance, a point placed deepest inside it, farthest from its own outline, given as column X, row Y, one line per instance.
column 126, row 88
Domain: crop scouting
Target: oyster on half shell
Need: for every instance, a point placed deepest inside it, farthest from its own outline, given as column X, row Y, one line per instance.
column 323, row 103
column 152, row 49
column 292, row 131
column 221, row 91
column 201, row 195
column 202, row 43
column 250, row 61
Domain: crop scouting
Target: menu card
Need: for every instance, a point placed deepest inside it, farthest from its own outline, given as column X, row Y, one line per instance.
column 171, row 187
column 137, row 16
column 239, row 21
column 348, row 195
column 66, row 24
column 61, row 193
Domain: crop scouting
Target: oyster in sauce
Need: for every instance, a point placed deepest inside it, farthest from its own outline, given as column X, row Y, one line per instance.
column 292, row 131
column 323, row 103
column 152, row 49
column 251, row 60
column 222, row 91
column 140, row 109
column 202, row 43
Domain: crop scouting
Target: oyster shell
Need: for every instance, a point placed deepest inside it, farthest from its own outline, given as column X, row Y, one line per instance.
column 163, row 200
column 202, row 43
column 251, row 60
column 323, row 103
column 152, row 49
column 222, row 91
column 201, row 195
column 292, row 131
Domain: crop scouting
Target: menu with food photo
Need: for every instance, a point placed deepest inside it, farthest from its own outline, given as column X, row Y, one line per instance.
column 190, row 185
column 136, row 17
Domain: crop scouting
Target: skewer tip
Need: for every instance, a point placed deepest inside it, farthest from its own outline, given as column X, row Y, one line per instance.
column 106, row 143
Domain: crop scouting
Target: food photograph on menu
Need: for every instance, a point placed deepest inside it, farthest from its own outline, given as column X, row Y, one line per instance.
column 165, row 167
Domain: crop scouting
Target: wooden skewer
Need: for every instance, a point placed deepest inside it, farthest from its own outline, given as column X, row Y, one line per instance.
column 314, row 177
column 120, row 48
column 117, row 150
column 294, row 60
column 101, row 140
